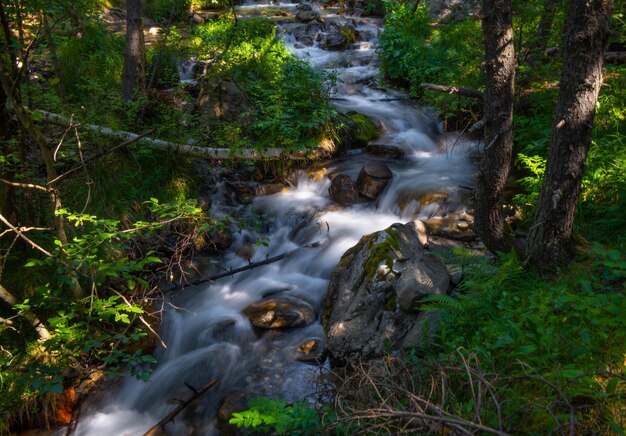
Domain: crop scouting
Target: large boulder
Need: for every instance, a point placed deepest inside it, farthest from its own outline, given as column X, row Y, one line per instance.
column 373, row 179
column 373, row 296
column 280, row 312
column 224, row 100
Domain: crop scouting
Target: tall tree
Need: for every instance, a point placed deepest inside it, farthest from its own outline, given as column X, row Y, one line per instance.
column 134, row 73
column 544, row 29
column 496, row 159
column 586, row 34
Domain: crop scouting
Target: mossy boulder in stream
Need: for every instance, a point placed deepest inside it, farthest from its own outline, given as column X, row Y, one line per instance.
column 373, row 297
column 363, row 129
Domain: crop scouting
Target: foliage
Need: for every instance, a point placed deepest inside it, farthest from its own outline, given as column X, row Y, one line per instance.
column 414, row 51
column 163, row 10
column 91, row 65
column 267, row 415
column 543, row 334
column 291, row 105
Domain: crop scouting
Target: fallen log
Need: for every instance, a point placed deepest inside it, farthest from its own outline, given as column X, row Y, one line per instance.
column 187, row 149
column 465, row 92
column 157, row 428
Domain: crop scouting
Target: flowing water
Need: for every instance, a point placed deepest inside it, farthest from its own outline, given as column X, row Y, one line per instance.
column 206, row 333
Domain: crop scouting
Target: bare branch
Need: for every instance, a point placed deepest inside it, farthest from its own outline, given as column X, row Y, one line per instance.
column 21, row 235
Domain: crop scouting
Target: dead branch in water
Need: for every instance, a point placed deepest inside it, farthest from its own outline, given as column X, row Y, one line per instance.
column 158, row 428
column 251, row 265
column 186, row 149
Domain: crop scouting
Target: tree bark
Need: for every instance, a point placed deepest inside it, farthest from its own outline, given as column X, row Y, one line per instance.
column 134, row 73
column 496, row 159
column 586, row 34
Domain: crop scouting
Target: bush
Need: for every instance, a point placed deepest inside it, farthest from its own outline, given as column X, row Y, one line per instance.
column 161, row 10
column 291, row 105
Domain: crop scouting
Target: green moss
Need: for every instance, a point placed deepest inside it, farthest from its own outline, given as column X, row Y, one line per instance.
column 382, row 252
column 363, row 129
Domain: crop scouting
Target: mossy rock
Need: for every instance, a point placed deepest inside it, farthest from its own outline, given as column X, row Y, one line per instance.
column 363, row 129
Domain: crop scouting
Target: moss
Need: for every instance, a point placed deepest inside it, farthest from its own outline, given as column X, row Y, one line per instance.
column 382, row 252
column 391, row 303
column 363, row 129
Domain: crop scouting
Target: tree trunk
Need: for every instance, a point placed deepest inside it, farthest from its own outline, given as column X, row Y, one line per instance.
column 586, row 33
column 41, row 329
column 134, row 73
column 496, row 159
column 544, row 29
column 52, row 46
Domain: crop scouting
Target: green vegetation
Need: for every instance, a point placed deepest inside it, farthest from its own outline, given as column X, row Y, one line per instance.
column 288, row 99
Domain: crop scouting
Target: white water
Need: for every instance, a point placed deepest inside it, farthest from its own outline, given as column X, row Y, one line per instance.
column 207, row 335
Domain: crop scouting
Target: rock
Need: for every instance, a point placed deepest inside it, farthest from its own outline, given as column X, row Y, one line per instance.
column 224, row 331
column 311, row 351
column 386, row 151
column 451, row 228
column 220, row 240
column 373, row 179
column 433, row 197
column 419, row 278
column 362, row 129
column 269, row 188
column 280, row 312
column 334, row 41
column 234, row 402
column 363, row 310
column 240, row 192
column 343, row 190
column 307, row 16
column 304, row 7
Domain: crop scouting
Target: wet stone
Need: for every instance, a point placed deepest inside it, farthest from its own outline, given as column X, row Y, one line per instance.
column 343, row 190
column 373, row 179
column 311, row 351
column 283, row 312
column 382, row 150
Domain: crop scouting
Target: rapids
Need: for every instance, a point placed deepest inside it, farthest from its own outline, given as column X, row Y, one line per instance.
column 207, row 335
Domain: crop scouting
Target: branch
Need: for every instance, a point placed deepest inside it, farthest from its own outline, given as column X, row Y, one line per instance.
column 251, row 265
column 101, row 154
column 157, row 428
column 465, row 92
column 21, row 235
column 26, row 185
column 185, row 149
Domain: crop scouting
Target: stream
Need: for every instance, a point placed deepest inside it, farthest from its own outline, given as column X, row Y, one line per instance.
column 207, row 335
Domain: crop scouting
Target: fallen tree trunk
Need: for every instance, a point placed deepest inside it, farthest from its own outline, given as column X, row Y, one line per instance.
column 186, row 149
column 465, row 92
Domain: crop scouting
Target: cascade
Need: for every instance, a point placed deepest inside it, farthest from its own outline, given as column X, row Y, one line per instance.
column 207, row 335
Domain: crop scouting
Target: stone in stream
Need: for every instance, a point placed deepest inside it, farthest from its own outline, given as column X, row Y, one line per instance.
column 281, row 312
column 373, row 179
column 372, row 295
column 384, row 150
column 343, row 190
column 311, row 351
column 307, row 16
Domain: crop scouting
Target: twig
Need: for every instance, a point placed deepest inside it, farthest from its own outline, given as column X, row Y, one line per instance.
column 21, row 235
column 141, row 318
column 159, row 426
